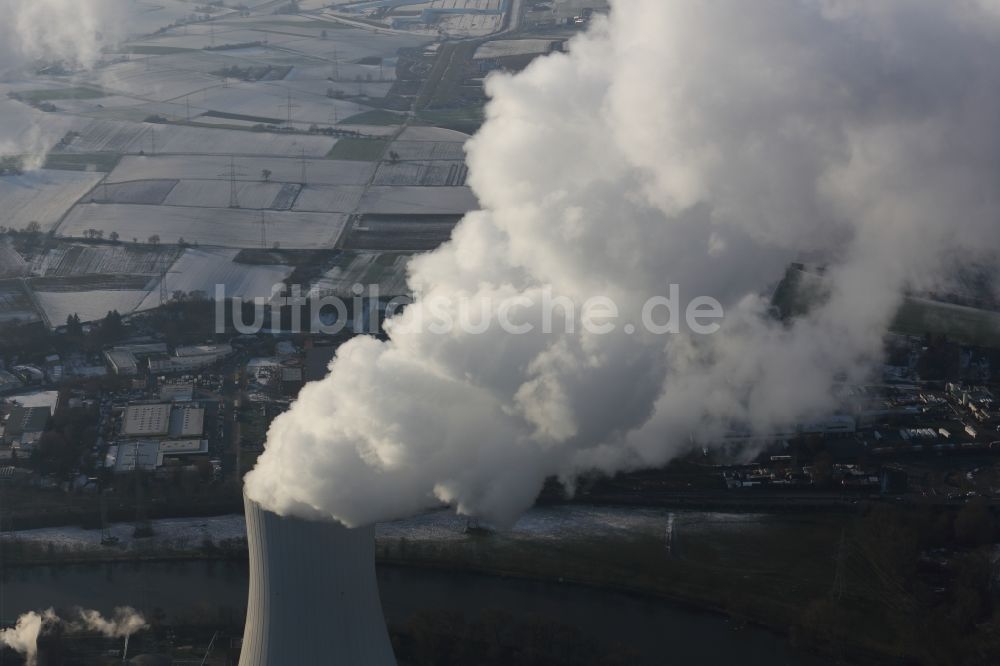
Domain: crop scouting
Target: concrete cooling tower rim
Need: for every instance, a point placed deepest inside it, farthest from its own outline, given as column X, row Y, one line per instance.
column 313, row 597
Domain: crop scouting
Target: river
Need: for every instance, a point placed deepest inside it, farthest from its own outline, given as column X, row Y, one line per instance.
column 196, row 590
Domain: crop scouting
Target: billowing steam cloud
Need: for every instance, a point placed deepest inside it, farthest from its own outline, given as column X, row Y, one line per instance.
column 682, row 141
column 23, row 636
column 68, row 31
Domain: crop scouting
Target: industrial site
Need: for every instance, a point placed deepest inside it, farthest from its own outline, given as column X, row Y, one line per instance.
column 280, row 384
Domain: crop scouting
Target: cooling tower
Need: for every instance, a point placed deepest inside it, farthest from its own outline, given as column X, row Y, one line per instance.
column 313, row 595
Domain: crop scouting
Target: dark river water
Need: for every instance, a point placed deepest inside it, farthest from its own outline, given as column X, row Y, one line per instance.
column 663, row 633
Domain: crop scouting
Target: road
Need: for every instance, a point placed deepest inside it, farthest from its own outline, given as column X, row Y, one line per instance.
column 514, row 17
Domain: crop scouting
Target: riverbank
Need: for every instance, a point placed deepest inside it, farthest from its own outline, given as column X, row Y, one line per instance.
column 843, row 583
column 755, row 568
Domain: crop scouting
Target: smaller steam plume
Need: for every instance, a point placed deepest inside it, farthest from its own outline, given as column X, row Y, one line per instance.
column 23, row 636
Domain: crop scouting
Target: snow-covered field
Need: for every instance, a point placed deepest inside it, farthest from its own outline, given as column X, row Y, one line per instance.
column 418, row 200
column 429, row 174
column 503, row 48
column 269, row 101
column 387, row 270
column 204, row 141
column 68, row 259
column 223, row 227
column 147, row 192
column 249, row 169
column 203, row 269
column 15, row 302
column 89, row 305
column 429, row 150
column 215, row 194
column 421, row 133
column 42, row 196
column 105, row 136
column 319, row 86
column 150, row 82
column 336, row 199
column 147, row 16
column 12, row 264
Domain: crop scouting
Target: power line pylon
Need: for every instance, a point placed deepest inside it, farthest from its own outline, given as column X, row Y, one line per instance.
column 289, row 107
column 233, row 174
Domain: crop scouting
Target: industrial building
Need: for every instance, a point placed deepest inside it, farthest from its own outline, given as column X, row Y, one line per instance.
column 163, row 420
column 313, row 595
column 150, row 455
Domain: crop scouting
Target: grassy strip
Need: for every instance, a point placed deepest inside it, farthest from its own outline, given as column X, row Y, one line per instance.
column 376, row 117
column 105, row 162
column 467, row 120
column 238, row 116
column 53, row 94
column 141, row 49
column 358, row 150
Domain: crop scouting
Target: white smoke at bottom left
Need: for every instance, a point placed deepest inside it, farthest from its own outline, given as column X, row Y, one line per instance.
column 23, row 636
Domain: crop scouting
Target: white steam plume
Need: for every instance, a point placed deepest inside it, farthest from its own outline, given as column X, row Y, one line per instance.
column 124, row 622
column 681, row 141
column 72, row 31
column 23, row 636
column 69, row 31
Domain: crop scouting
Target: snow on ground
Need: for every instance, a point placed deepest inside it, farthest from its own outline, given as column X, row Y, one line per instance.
column 101, row 136
column 418, row 200
column 336, row 199
column 198, row 37
column 15, row 302
column 42, row 196
column 249, row 169
column 428, row 174
column 12, row 264
column 503, row 48
column 269, row 101
column 89, row 305
column 31, row 132
column 147, row 192
column 469, row 25
column 68, row 259
column 149, row 81
column 143, row 17
column 320, row 86
column 223, row 227
column 169, row 533
column 215, row 194
column 548, row 523
column 204, row 141
column 351, row 43
column 387, row 270
column 203, row 269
